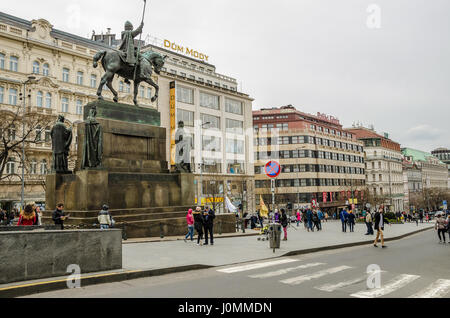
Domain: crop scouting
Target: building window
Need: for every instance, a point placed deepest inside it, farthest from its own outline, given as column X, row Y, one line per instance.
column 39, row 99
column 186, row 116
column 94, row 81
column 149, row 93
column 47, row 134
column 13, row 96
column 2, row 61
column 235, row 146
column 65, row 75
column 2, row 93
column 211, row 143
column 235, row 126
column 185, row 95
column 235, row 167
column 80, row 78
column 233, row 106
column 11, row 166
column 121, row 86
column 141, row 91
column 209, row 101
column 64, row 105
column 213, row 120
column 36, row 66
column 13, row 63
column 38, row 134
column 46, row 70
column 33, row 166
column 48, row 100
column 43, row 169
column 79, row 107
column 128, row 88
column 12, row 132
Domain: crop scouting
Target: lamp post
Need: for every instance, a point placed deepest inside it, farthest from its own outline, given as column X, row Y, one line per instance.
column 23, row 95
column 199, row 201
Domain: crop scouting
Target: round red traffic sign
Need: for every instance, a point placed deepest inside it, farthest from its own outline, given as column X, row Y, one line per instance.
column 272, row 169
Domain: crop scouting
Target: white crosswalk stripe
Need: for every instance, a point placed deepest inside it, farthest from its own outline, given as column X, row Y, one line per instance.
column 303, row 278
column 256, row 266
column 391, row 286
column 285, row 271
column 438, row 289
column 336, row 286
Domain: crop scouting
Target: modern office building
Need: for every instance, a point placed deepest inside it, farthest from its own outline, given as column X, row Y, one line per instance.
column 384, row 170
column 320, row 161
column 65, row 80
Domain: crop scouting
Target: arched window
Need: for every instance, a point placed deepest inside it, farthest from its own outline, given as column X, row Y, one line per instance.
column 46, row 69
column 39, row 98
column 11, row 166
column 33, row 166
column 48, row 100
column 36, row 66
column 43, row 169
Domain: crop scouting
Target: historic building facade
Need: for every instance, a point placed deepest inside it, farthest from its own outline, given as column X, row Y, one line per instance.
column 443, row 154
column 65, row 81
column 384, row 170
column 319, row 159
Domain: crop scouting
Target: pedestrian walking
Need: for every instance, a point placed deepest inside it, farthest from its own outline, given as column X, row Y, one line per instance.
column 321, row 217
column 284, row 223
column 58, row 216
column 416, row 217
column 421, row 216
column 441, row 227
column 369, row 223
column 343, row 216
column 351, row 221
column 2, row 217
column 104, row 218
column 427, row 218
column 190, row 224
column 379, row 226
column 209, row 216
column 260, row 218
column 198, row 224
column 326, row 217
column 276, row 216
column 27, row 217
column 299, row 218
column 315, row 220
column 309, row 216
column 305, row 219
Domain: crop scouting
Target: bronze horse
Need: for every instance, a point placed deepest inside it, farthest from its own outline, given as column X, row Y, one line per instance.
column 113, row 64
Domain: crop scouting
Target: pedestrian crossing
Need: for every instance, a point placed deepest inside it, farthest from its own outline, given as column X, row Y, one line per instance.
column 356, row 286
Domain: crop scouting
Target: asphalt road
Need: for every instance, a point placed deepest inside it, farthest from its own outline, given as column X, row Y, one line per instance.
column 416, row 266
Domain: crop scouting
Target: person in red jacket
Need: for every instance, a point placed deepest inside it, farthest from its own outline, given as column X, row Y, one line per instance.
column 190, row 223
column 27, row 217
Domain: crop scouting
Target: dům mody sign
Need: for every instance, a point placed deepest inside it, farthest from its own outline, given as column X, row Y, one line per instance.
column 185, row 50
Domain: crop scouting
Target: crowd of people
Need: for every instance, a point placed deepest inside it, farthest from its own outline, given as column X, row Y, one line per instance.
column 31, row 215
column 203, row 223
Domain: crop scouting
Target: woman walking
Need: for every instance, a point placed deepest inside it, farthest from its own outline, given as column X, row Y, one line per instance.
column 198, row 224
column 299, row 218
column 190, row 223
column 441, row 227
column 284, row 223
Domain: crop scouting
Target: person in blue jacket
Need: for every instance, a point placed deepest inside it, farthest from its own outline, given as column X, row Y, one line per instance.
column 344, row 217
column 320, row 215
column 309, row 215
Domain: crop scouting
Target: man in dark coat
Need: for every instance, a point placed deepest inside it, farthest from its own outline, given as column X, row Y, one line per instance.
column 58, row 216
column 379, row 226
column 61, row 140
column 284, row 223
column 209, row 217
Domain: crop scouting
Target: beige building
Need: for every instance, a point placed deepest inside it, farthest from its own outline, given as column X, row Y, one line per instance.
column 319, row 159
column 66, row 81
column 384, row 170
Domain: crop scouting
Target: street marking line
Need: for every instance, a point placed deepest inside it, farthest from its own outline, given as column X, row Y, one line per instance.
column 303, row 278
column 391, row 286
column 333, row 287
column 255, row 266
column 285, row 271
column 64, row 280
column 438, row 289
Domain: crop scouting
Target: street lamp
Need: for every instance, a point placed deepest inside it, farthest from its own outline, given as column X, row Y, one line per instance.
column 23, row 95
column 199, row 201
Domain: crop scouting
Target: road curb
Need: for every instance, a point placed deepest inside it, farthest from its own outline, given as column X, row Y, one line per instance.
column 180, row 239
column 47, row 286
column 335, row 247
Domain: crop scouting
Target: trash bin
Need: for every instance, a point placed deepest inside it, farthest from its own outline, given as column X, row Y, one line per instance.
column 274, row 235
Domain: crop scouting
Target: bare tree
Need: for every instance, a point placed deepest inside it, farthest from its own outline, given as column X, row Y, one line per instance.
column 214, row 190
column 17, row 127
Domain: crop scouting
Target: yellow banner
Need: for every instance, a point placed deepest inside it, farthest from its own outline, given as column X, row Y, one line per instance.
column 353, row 201
column 173, row 125
column 263, row 210
column 209, row 200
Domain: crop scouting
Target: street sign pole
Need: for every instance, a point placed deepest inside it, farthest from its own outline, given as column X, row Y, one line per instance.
column 272, row 187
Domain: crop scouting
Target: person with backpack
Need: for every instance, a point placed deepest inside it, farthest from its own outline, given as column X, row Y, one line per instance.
column 351, row 221
column 284, row 223
column 343, row 216
column 441, row 227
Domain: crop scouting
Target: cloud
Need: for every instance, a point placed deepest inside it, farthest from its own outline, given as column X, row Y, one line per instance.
column 423, row 132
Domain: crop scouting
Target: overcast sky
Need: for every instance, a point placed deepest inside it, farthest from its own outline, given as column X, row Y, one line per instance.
column 329, row 56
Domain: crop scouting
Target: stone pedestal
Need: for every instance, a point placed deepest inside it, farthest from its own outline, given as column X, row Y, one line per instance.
column 133, row 179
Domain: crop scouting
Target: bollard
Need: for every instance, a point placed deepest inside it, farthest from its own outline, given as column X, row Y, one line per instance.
column 124, row 232
column 243, row 225
column 220, row 227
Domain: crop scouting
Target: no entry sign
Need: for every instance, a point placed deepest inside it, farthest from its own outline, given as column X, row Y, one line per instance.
column 272, row 169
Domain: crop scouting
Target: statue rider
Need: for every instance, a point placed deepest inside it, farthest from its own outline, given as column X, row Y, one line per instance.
column 127, row 45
